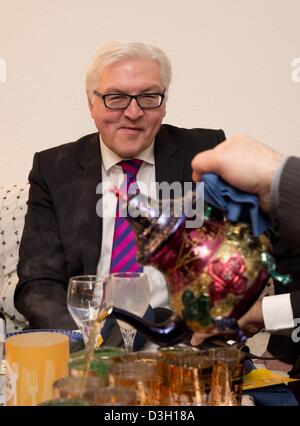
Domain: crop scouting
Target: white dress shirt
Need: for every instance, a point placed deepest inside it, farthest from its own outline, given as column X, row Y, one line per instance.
column 112, row 175
column 277, row 312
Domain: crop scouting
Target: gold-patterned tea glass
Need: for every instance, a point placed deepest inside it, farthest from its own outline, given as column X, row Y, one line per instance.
column 187, row 379
column 139, row 377
column 168, row 353
column 111, row 396
column 227, row 376
column 102, row 359
column 140, row 357
column 74, row 387
column 171, row 352
column 98, row 367
column 102, row 352
column 150, row 358
column 62, row 402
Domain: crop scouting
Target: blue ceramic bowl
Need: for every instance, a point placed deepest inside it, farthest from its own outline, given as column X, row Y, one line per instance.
column 75, row 337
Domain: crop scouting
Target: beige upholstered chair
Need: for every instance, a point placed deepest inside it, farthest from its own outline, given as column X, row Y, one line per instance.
column 13, row 208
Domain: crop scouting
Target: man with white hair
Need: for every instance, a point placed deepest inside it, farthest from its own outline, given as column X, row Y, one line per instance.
column 127, row 88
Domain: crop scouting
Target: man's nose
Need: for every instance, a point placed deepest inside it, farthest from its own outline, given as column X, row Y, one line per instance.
column 133, row 111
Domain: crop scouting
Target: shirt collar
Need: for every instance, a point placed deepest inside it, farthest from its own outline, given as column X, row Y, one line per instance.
column 110, row 158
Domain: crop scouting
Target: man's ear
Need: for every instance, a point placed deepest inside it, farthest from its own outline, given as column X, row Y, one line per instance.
column 91, row 105
column 164, row 111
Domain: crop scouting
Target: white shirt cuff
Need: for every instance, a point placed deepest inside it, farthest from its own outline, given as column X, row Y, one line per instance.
column 277, row 312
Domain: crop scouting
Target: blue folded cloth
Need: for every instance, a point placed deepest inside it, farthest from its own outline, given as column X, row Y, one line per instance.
column 273, row 396
column 270, row 395
column 139, row 340
column 236, row 205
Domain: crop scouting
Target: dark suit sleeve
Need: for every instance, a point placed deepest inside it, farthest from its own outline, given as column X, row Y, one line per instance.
column 288, row 208
column 295, row 302
column 286, row 251
column 221, row 136
column 41, row 292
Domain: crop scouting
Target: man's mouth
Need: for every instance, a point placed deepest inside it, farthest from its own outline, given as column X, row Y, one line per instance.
column 131, row 129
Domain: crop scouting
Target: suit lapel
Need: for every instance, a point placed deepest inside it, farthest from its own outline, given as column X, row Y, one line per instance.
column 87, row 177
column 168, row 164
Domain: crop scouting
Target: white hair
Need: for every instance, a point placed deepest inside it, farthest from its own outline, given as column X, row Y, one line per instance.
column 116, row 51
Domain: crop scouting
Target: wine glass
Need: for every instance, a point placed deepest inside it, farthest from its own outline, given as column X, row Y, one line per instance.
column 85, row 299
column 129, row 291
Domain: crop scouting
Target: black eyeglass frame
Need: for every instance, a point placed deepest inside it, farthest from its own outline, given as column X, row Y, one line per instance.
column 100, row 95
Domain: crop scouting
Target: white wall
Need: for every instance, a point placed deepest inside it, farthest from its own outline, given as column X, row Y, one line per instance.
column 232, row 62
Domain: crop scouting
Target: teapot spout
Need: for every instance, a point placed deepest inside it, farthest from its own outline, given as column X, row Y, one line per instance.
column 167, row 333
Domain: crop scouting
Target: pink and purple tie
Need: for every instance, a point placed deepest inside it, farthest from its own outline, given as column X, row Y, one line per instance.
column 123, row 257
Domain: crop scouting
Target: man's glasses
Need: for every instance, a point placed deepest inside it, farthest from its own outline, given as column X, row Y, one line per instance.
column 122, row 101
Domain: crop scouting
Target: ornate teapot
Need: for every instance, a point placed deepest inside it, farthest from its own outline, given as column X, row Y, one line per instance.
column 214, row 272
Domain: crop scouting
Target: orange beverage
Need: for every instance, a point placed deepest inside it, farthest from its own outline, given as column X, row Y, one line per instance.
column 227, row 376
column 152, row 359
column 187, row 379
column 135, row 376
column 33, row 362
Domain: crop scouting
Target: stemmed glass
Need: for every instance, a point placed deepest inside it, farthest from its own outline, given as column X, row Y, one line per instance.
column 85, row 299
column 129, row 291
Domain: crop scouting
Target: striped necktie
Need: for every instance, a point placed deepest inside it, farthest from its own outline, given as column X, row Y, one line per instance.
column 123, row 257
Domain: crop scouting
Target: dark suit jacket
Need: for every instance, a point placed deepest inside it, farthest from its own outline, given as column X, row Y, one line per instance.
column 288, row 213
column 62, row 233
column 288, row 259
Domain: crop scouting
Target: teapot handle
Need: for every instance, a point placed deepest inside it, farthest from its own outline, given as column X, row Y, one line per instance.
column 169, row 332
